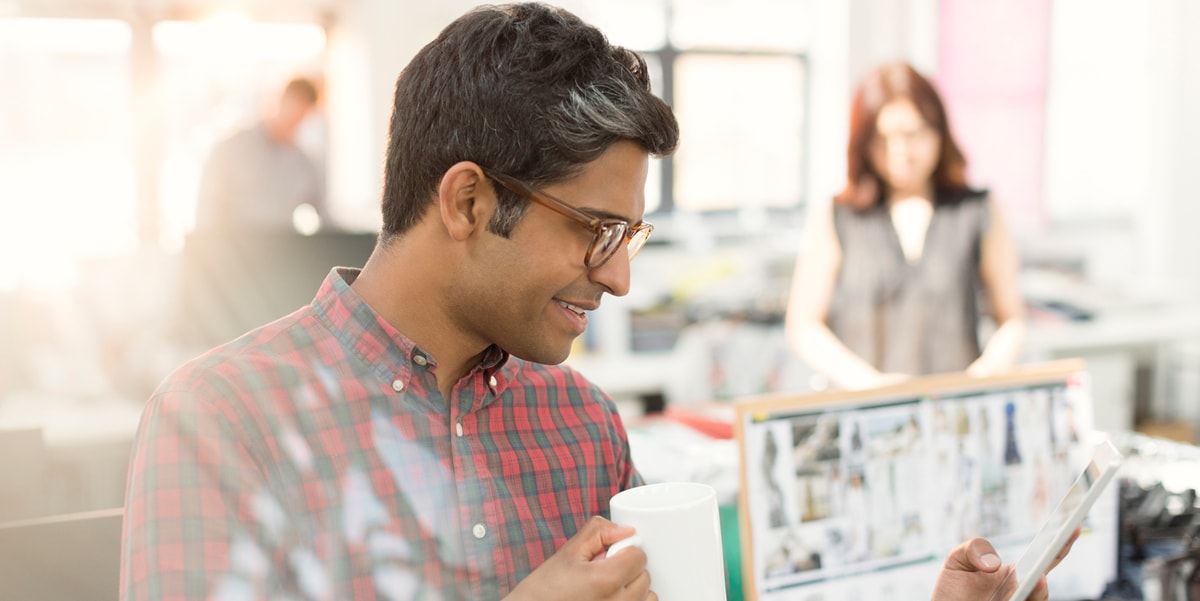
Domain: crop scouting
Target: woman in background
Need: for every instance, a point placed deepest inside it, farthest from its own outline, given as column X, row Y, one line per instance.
column 887, row 281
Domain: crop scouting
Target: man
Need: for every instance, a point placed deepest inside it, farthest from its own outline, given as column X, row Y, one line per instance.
column 259, row 177
column 409, row 434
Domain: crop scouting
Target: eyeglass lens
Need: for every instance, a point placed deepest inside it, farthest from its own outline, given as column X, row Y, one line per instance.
column 611, row 237
column 638, row 241
column 608, row 240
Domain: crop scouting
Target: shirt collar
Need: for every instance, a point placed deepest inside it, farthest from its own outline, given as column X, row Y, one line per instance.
column 363, row 331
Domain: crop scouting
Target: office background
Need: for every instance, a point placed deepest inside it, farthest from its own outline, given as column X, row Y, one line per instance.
column 1078, row 114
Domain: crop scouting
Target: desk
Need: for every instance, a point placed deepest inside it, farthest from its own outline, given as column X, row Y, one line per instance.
column 86, row 446
column 68, row 423
column 75, row 557
column 1133, row 353
column 1132, row 349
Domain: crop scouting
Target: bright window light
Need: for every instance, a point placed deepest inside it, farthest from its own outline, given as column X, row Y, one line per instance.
column 229, row 38
column 66, row 154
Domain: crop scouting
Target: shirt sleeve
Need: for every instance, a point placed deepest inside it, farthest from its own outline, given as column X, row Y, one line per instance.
column 199, row 520
column 627, row 475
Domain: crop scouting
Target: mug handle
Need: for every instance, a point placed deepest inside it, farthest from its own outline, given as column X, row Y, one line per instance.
column 632, row 540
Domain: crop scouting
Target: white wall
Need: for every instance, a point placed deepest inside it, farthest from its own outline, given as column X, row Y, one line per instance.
column 1179, row 73
column 1121, row 129
column 888, row 30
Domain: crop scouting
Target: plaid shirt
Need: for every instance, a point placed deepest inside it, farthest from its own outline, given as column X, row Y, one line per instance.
column 315, row 458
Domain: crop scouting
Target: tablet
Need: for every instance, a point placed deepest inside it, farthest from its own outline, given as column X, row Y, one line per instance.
column 1057, row 529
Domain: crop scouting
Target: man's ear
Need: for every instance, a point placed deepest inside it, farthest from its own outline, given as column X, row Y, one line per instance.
column 466, row 200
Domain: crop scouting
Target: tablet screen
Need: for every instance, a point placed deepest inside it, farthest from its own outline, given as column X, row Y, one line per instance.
column 1061, row 523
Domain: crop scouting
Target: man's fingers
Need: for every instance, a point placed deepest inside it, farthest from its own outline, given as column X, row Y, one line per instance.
column 1062, row 553
column 614, row 533
column 639, row 588
column 1040, row 592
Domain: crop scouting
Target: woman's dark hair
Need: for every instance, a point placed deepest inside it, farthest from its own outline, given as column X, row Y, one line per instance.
column 526, row 90
column 864, row 185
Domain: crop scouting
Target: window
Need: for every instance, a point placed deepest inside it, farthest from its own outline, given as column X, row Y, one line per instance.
column 67, row 187
column 735, row 73
column 743, row 123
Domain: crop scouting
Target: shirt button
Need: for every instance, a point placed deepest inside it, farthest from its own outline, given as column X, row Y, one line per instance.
column 397, row 385
column 420, row 360
column 458, row 429
column 492, row 381
column 479, row 530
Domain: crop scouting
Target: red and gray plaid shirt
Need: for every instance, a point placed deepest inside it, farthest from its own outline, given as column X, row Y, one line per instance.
column 316, row 459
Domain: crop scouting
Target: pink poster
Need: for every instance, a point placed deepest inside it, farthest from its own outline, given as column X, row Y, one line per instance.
column 992, row 71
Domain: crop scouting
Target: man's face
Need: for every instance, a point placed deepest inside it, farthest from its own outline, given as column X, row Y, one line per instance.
column 530, row 293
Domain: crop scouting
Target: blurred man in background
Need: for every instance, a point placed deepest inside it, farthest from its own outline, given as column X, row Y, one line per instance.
column 259, row 178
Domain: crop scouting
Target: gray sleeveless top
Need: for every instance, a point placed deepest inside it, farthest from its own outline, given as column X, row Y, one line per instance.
column 917, row 318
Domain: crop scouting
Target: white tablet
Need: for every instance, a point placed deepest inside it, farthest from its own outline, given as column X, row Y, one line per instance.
column 1069, row 514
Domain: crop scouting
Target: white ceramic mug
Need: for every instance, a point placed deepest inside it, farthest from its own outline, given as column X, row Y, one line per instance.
column 680, row 530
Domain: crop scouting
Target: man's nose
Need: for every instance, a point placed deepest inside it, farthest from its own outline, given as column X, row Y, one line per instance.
column 614, row 273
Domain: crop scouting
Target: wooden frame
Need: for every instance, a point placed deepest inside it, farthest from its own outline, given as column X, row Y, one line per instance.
column 934, row 386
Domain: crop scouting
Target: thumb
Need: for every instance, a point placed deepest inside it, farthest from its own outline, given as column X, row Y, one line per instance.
column 596, row 535
column 975, row 555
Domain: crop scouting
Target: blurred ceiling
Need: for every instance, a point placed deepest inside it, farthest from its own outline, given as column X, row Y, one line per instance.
column 276, row 10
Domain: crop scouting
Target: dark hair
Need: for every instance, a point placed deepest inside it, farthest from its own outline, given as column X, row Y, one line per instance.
column 889, row 82
column 527, row 90
column 301, row 88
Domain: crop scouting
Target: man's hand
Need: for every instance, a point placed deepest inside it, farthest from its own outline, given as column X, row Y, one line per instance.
column 580, row 572
column 973, row 571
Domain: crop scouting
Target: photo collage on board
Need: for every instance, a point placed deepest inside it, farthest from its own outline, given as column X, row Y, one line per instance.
column 843, row 490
